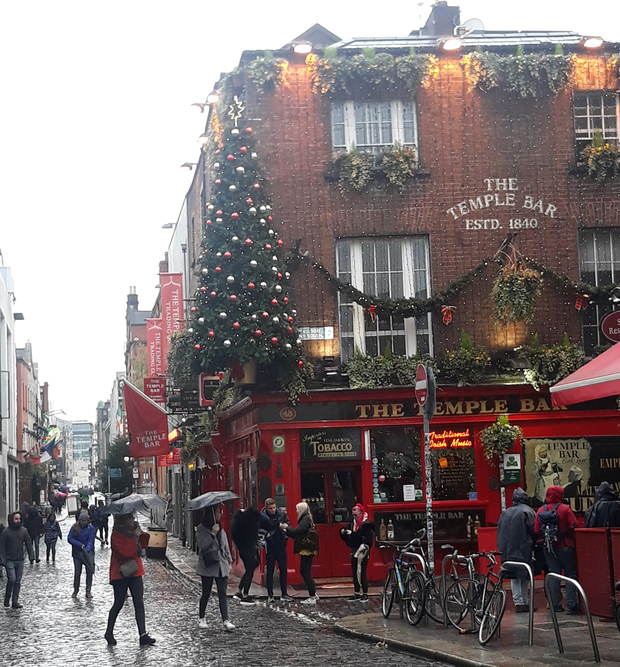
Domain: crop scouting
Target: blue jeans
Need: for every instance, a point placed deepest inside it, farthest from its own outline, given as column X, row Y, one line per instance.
column 520, row 589
column 563, row 559
column 35, row 544
column 276, row 555
column 14, row 572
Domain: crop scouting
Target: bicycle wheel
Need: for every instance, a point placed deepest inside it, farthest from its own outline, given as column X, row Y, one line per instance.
column 389, row 592
column 432, row 599
column 461, row 599
column 414, row 600
column 492, row 616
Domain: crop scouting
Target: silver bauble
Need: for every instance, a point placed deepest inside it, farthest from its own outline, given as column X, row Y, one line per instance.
column 287, row 275
column 253, row 263
column 218, row 219
column 271, row 232
column 288, row 346
column 223, row 315
column 275, row 320
column 234, row 239
column 205, row 272
column 201, row 320
column 254, row 318
column 278, row 288
column 227, row 343
column 232, row 188
column 274, row 258
column 216, row 165
column 230, row 279
column 299, row 341
column 252, row 210
column 285, row 316
column 190, row 330
column 274, row 268
column 218, row 254
column 263, row 209
column 263, row 285
column 241, row 170
column 254, row 155
column 268, row 207
column 294, row 312
column 210, row 207
column 235, row 131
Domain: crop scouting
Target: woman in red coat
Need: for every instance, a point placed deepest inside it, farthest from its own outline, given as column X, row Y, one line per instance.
column 126, row 570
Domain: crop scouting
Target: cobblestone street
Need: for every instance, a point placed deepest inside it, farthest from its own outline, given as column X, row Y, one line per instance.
column 53, row 629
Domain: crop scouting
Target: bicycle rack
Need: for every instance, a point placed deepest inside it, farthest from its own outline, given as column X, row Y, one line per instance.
column 530, row 635
column 554, row 618
column 419, row 558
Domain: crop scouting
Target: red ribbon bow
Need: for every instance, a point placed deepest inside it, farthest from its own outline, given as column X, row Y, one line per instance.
column 447, row 311
column 372, row 312
column 582, row 301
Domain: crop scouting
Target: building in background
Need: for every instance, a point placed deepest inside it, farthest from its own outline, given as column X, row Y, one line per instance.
column 65, row 459
column 83, row 440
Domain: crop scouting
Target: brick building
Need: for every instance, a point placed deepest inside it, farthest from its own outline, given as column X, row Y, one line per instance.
column 497, row 163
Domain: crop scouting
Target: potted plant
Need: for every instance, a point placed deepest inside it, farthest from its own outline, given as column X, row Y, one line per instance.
column 466, row 365
column 498, row 438
column 514, row 293
column 602, row 160
column 550, row 364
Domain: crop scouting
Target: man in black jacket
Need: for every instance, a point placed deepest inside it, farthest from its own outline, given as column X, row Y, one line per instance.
column 34, row 524
column 12, row 541
column 271, row 519
column 606, row 509
column 244, row 533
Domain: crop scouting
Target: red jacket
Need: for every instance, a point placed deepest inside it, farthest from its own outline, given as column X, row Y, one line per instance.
column 123, row 549
column 568, row 521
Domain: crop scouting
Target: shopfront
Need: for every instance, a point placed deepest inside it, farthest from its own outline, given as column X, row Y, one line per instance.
column 340, row 447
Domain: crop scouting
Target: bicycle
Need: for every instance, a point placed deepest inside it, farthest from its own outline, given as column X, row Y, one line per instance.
column 481, row 597
column 404, row 584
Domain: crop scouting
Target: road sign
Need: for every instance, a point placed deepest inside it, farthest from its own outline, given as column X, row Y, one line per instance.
column 136, row 473
column 421, row 385
column 115, row 472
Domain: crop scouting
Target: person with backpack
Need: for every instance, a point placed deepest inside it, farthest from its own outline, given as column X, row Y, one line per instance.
column 306, row 545
column 244, row 533
column 555, row 523
column 52, row 535
column 359, row 537
column 605, row 513
column 515, row 542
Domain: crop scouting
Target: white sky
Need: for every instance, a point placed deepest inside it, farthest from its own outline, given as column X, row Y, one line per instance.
column 95, row 122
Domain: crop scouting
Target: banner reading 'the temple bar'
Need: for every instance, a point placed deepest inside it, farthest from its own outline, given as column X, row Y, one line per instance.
column 171, row 307
column 154, row 347
column 147, row 423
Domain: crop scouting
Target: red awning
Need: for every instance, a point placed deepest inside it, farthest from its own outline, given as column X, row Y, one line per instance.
column 597, row 379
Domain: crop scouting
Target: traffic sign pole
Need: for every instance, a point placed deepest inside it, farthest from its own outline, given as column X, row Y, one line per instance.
column 426, row 396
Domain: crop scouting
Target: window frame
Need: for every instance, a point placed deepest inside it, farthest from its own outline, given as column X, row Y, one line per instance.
column 584, row 138
column 397, row 121
column 355, row 276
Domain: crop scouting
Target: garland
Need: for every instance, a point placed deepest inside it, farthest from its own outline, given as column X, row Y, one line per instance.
column 370, row 73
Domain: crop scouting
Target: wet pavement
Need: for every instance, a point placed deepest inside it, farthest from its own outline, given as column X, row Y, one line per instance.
column 52, row 628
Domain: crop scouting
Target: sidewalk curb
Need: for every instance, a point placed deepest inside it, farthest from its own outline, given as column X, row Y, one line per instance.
column 411, row 648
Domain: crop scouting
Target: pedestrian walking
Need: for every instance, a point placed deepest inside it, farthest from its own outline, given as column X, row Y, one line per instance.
column 556, row 523
column 126, row 572
column 213, row 563
column 244, row 532
column 104, row 517
column 169, row 513
column 272, row 517
column 515, row 541
column 360, row 538
column 52, row 535
column 34, row 524
column 1, row 566
column 306, row 545
column 12, row 541
column 82, row 540
column 606, row 509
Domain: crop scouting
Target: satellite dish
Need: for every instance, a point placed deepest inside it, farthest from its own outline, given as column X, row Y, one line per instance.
column 473, row 25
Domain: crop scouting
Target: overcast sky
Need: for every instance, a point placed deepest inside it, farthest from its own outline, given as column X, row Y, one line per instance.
column 95, row 122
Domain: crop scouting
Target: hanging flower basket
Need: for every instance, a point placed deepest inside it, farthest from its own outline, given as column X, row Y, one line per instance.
column 498, row 438
column 466, row 365
column 514, row 294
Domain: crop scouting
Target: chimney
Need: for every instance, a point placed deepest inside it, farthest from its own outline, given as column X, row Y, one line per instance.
column 442, row 20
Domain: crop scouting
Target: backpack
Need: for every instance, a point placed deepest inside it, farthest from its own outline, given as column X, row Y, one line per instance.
column 550, row 526
column 310, row 543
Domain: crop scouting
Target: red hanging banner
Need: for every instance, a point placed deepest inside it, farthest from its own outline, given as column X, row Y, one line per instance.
column 171, row 308
column 147, row 423
column 154, row 346
column 176, row 456
column 162, row 461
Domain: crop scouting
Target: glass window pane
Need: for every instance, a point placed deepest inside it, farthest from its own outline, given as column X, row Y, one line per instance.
column 381, row 254
column 398, row 345
column 396, row 256
column 396, row 460
column 383, row 285
column 313, row 493
column 368, row 256
column 397, row 286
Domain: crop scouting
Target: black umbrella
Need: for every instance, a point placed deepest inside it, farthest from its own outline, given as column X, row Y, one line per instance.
column 136, row 502
column 211, row 498
column 85, row 492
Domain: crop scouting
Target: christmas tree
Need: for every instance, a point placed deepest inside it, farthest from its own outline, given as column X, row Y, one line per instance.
column 242, row 309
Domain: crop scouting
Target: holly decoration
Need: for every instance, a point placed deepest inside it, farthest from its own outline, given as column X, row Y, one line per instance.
column 243, row 309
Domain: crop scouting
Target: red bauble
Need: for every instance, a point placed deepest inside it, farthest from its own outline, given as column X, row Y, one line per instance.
column 233, row 297
column 300, row 363
column 218, row 269
column 218, row 151
column 244, row 149
column 213, row 294
column 258, row 332
column 211, row 334
column 203, row 289
column 285, row 300
column 219, row 213
column 290, row 319
column 274, row 302
column 279, row 276
column 257, row 186
column 249, row 200
column 197, row 346
column 193, row 309
column 230, row 157
column 209, row 222
column 290, row 329
column 248, row 242
column 208, row 204
column 234, row 216
column 280, row 242
column 265, row 314
column 218, row 181
column 227, row 254
column 269, row 218
column 268, row 246
column 274, row 340
column 248, row 130
column 250, row 285
column 236, row 325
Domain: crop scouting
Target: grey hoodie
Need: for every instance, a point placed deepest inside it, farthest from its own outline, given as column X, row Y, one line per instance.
column 515, row 530
column 12, row 540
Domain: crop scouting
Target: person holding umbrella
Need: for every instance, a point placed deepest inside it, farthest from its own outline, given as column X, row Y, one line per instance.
column 127, row 570
column 213, row 563
column 82, row 540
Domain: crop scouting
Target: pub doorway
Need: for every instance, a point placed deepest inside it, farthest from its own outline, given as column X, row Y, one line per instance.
column 331, row 492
